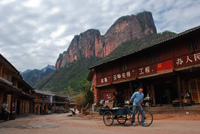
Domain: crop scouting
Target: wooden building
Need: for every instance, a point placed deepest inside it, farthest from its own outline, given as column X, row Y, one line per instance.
column 46, row 101
column 43, row 101
column 167, row 71
column 14, row 90
column 61, row 103
column 25, row 98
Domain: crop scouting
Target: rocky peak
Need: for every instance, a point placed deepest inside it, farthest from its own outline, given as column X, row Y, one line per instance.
column 91, row 43
column 87, row 44
column 146, row 21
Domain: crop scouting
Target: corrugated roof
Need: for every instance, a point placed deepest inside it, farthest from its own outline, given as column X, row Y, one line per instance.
column 152, row 45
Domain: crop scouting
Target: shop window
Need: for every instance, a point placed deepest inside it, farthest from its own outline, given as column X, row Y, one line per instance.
column 153, row 59
column 190, row 47
column 14, row 83
column 124, row 68
column 103, row 73
column 3, row 73
column 194, row 45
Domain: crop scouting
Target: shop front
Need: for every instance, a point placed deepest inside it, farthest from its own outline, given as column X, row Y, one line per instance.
column 168, row 71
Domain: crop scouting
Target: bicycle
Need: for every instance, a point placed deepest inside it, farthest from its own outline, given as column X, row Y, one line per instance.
column 122, row 114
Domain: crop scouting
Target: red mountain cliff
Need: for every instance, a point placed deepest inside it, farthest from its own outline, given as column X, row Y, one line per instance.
column 92, row 43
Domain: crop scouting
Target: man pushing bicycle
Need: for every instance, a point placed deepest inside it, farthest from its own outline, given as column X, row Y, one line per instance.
column 137, row 99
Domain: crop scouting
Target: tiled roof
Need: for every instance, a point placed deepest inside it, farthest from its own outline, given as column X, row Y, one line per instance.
column 49, row 93
column 45, row 92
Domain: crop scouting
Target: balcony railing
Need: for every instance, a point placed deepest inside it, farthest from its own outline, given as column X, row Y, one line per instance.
column 6, row 81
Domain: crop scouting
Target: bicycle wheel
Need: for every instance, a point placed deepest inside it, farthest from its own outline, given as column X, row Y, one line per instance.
column 145, row 118
column 108, row 118
column 122, row 119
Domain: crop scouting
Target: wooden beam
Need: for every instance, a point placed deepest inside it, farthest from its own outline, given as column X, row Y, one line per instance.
column 1, row 69
column 153, row 93
column 179, row 87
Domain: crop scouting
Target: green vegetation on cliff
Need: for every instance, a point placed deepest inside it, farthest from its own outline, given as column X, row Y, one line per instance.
column 71, row 79
column 139, row 44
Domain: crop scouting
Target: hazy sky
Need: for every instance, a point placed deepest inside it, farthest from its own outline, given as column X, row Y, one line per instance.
column 34, row 32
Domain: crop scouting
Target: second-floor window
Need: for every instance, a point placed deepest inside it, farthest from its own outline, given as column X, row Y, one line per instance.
column 194, row 45
column 103, row 72
column 152, row 59
column 14, row 82
column 3, row 73
column 124, row 68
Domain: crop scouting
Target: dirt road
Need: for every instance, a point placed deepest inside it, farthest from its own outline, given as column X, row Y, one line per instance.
column 63, row 124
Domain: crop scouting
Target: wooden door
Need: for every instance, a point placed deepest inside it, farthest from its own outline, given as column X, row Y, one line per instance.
column 9, row 102
column 198, row 92
column 194, row 86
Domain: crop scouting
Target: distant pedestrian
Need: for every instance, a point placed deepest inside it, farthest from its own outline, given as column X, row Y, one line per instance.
column 5, row 106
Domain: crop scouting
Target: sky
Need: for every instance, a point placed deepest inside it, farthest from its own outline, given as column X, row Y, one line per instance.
column 34, row 32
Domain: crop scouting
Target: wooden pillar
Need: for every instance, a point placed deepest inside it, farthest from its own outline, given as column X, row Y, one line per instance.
column 12, row 103
column 184, row 87
column 141, row 84
column 153, row 94
column 35, row 108
column 1, row 98
column 148, row 90
column 1, row 69
column 46, row 107
column 68, row 105
column 31, row 107
column 96, row 90
column 22, row 108
column 39, row 109
column 42, row 108
column 20, row 111
column 179, row 87
column 54, row 107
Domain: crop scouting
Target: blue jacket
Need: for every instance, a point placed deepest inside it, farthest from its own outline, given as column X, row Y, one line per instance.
column 137, row 98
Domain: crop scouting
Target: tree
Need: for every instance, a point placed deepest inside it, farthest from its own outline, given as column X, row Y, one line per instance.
column 89, row 96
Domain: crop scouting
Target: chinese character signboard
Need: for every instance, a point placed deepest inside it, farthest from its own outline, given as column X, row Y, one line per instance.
column 187, row 60
column 178, row 62
column 124, row 75
column 105, row 80
column 147, row 70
